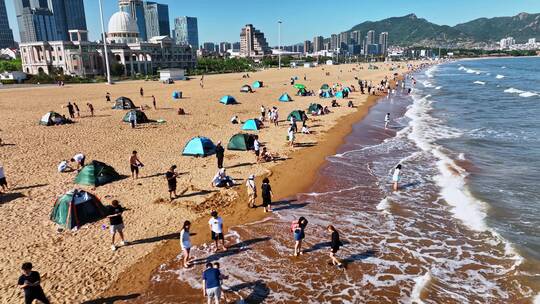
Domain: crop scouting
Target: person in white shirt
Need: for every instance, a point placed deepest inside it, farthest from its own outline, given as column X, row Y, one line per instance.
column 251, row 190
column 185, row 243
column 396, row 178
column 257, row 147
column 263, row 113
column 291, row 136
column 3, row 181
column 386, row 120
column 79, row 159
column 234, row 120
column 63, row 166
column 216, row 229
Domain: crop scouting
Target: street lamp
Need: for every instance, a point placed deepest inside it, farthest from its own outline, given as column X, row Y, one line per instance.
column 279, row 44
column 109, row 81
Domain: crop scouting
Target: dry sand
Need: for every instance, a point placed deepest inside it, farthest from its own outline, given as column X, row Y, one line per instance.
column 79, row 265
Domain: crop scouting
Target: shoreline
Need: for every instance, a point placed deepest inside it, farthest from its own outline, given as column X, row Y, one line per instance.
column 285, row 181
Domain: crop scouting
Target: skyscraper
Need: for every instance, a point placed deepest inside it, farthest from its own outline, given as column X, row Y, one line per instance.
column 370, row 39
column 36, row 21
column 308, row 47
column 252, row 42
column 318, row 44
column 343, row 40
column 224, row 47
column 186, row 31
column 135, row 8
column 356, row 38
column 334, row 42
column 68, row 15
column 383, row 41
column 157, row 19
column 6, row 34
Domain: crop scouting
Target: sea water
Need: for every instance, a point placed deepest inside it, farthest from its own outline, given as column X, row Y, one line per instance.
column 463, row 227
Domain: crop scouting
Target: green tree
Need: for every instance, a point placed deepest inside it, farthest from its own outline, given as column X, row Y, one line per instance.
column 117, row 69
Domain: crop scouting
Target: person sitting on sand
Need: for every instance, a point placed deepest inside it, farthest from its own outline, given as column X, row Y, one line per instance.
column 181, row 111
column 267, row 156
column 335, row 104
column 234, row 120
column 63, row 166
column 221, row 179
column 326, row 110
column 305, row 129
column 350, row 104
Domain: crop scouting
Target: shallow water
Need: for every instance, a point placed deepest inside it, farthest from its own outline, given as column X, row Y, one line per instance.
column 446, row 237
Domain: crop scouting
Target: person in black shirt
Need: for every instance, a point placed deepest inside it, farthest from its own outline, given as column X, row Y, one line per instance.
column 29, row 282
column 220, row 153
column 266, row 191
column 171, row 181
column 335, row 243
column 116, row 222
column 71, row 110
column 141, row 91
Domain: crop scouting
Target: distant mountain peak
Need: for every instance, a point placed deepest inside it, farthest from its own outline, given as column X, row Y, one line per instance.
column 412, row 16
column 522, row 15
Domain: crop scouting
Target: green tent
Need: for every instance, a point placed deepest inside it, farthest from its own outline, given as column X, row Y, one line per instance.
column 298, row 115
column 76, row 208
column 123, row 103
column 96, row 174
column 241, row 142
column 325, row 87
column 299, row 86
column 314, row 107
column 140, row 116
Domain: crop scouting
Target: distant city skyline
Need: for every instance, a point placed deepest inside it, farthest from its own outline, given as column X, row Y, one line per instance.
column 222, row 21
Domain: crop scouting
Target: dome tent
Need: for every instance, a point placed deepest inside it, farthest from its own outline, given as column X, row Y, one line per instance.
column 140, row 116
column 53, row 118
column 347, row 89
column 257, row 84
column 342, row 94
column 227, row 100
column 314, row 107
column 302, row 92
column 252, row 125
column 96, row 174
column 325, row 87
column 246, row 89
column 298, row 115
column 285, row 98
column 76, row 208
column 327, row 94
column 199, row 146
column 123, row 103
column 241, row 142
column 177, row 95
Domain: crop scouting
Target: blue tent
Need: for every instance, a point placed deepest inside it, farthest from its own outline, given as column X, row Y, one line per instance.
column 252, row 125
column 227, row 99
column 257, row 84
column 347, row 89
column 340, row 95
column 199, row 146
column 285, row 97
column 177, row 95
column 326, row 94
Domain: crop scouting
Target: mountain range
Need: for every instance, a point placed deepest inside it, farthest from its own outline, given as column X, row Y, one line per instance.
column 410, row 30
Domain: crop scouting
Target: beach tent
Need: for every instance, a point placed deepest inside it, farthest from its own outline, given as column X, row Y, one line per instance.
column 285, row 98
column 252, row 124
column 96, row 174
column 52, row 118
column 76, row 208
column 246, row 89
column 299, row 86
column 326, row 94
column 301, row 92
column 341, row 95
column 227, row 99
column 177, row 95
column 241, row 142
column 314, row 107
column 298, row 115
column 123, row 103
column 325, row 87
column 257, row 84
column 140, row 115
column 199, row 146
column 347, row 89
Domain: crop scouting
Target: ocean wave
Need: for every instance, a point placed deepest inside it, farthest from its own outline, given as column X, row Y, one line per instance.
column 512, row 90
column 499, row 76
column 479, row 82
column 528, row 94
column 438, row 87
column 419, row 284
column 521, row 93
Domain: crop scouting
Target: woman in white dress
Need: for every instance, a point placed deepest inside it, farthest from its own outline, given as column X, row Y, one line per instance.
column 185, row 243
column 396, row 177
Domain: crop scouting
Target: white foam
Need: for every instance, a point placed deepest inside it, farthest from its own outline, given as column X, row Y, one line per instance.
column 536, row 299
column 512, row 90
column 438, row 88
column 383, row 205
column 419, row 284
column 528, row 94
column 480, row 82
column 499, row 76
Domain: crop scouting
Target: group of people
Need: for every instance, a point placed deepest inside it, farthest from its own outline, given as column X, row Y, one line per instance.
column 74, row 111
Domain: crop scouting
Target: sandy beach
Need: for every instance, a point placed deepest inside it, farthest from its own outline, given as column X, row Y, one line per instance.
column 79, row 266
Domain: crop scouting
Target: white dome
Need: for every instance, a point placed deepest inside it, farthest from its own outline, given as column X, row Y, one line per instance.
column 121, row 22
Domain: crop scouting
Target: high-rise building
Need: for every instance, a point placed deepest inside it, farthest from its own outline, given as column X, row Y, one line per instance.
column 308, row 47
column 36, row 21
column 383, row 41
column 236, row 46
column 135, row 8
column 209, row 47
column 186, row 31
column 370, row 39
column 318, row 44
column 334, row 42
column 252, row 42
column 224, row 47
column 68, row 15
column 156, row 17
column 343, row 40
column 6, row 34
column 356, row 38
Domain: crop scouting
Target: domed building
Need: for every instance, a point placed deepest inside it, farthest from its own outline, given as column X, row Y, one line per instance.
column 122, row 29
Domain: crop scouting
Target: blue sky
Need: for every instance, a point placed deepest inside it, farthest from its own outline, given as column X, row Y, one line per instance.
column 222, row 20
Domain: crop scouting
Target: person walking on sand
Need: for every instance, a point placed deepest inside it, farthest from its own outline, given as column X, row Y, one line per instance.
column 108, row 97
column 396, row 177
column 90, row 108
column 134, row 164
column 77, row 110
column 79, row 160
column 251, row 191
column 297, row 228
column 3, row 181
column 216, row 230
column 171, row 176
column 30, row 283
column 290, row 135
column 335, row 243
column 116, row 222
column 154, row 102
column 201, row 83
column 71, row 110
column 211, row 284
column 132, row 117
column 220, row 154
column 266, row 192
column 263, row 113
column 386, row 120
column 185, row 243
column 141, row 91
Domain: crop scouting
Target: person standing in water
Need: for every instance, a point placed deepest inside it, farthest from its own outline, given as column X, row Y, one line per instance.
column 335, row 243
column 185, row 243
column 396, row 178
column 216, row 229
column 386, row 120
column 297, row 228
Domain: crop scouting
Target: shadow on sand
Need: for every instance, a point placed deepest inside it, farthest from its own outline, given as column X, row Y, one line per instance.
column 111, row 300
